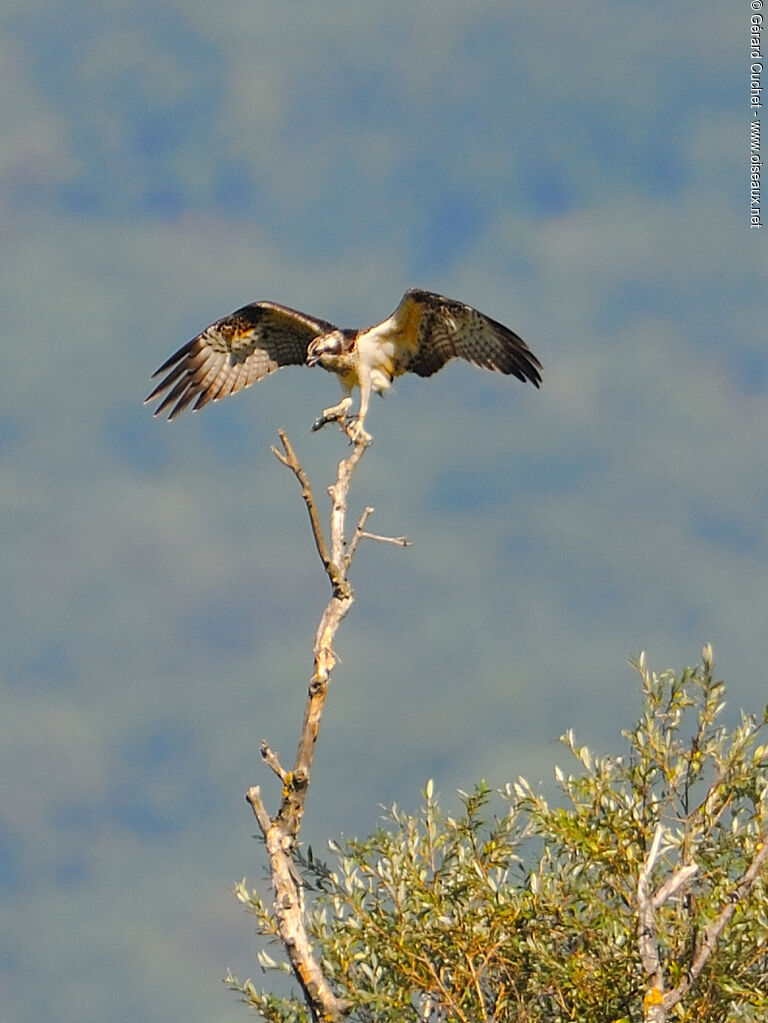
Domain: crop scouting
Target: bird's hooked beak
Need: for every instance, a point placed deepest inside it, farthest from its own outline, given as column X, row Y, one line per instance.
column 324, row 344
column 313, row 356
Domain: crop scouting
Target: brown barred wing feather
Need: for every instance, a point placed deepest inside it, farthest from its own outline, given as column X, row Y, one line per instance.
column 233, row 353
column 444, row 329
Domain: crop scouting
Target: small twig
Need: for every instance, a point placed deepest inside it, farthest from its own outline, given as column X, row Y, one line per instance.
column 476, row 984
column 290, row 460
column 271, row 760
column 398, row 541
column 358, row 535
column 362, row 534
column 253, row 796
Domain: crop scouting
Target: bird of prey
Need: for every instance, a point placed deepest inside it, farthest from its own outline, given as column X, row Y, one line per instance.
column 422, row 334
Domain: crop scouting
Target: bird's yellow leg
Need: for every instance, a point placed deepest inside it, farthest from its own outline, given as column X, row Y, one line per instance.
column 355, row 431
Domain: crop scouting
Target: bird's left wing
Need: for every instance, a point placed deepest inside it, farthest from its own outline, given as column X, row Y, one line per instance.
column 435, row 329
column 234, row 353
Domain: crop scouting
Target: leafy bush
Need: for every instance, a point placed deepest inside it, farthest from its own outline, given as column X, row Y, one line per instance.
column 639, row 894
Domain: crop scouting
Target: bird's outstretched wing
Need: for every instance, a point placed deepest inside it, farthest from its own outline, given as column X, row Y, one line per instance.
column 234, row 353
column 436, row 329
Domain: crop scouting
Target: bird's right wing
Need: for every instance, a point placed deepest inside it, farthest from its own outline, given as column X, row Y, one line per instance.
column 234, row 353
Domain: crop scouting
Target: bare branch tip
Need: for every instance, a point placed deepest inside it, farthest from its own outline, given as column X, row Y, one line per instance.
column 272, row 761
column 398, row 541
column 253, row 797
column 279, row 456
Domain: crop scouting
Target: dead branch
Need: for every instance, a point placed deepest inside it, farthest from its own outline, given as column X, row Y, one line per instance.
column 289, row 916
column 398, row 541
column 290, row 460
column 281, row 832
column 253, row 795
column 362, row 534
column 272, row 761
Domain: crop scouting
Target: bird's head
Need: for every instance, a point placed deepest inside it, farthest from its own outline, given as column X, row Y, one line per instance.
column 330, row 345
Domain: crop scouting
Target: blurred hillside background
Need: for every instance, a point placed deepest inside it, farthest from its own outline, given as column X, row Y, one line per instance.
column 578, row 172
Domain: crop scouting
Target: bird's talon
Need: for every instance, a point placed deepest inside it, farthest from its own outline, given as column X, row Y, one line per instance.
column 353, row 427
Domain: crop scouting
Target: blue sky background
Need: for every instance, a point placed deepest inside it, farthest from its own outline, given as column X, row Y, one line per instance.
column 579, row 172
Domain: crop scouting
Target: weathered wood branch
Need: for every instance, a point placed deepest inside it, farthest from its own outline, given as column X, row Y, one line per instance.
column 281, row 831
column 272, row 761
column 362, row 534
column 289, row 459
column 323, row 1003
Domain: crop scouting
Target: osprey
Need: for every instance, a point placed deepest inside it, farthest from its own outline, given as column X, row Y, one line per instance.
column 422, row 334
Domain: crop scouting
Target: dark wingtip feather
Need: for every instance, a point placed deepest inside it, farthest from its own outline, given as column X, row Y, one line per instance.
column 520, row 361
column 177, row 380
column 176, row 357
column 533, row 369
